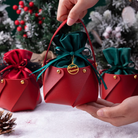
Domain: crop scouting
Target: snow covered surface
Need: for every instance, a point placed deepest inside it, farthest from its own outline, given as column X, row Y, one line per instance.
column 60, row 121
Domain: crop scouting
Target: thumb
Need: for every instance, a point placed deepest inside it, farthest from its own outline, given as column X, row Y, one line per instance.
column 79, row 10
column 110, row 112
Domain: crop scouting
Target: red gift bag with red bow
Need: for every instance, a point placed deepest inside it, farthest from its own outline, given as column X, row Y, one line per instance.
column 18, row 89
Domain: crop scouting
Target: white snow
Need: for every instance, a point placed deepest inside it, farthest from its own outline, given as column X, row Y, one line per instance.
column 60, row 121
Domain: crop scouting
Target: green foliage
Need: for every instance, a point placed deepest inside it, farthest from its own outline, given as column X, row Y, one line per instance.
column 6, row 28
column 39, row 34
column 115, row 25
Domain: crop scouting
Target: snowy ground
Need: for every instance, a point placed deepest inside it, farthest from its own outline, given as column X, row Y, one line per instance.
column 59, row 121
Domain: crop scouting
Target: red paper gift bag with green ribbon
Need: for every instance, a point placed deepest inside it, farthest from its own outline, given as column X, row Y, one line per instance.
column 71, row 78
column 121, row 78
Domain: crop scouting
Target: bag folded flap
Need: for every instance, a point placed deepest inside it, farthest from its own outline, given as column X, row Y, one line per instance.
column 88, row 88
column 53, row 79
column 12, row 92
column 2, row 85
column 110, row 83
column 124, row 85
column 65, row 88
column 29, row 98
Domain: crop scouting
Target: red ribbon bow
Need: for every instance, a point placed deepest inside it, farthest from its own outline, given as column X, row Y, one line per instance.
column 16, row 61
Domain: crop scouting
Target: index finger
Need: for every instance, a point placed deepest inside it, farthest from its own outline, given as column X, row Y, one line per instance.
column 104, row 102
column 64, row 8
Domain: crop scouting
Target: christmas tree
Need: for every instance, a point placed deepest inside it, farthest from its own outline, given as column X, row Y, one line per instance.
column 115, row 25
column 37, row 23
column 6, row 28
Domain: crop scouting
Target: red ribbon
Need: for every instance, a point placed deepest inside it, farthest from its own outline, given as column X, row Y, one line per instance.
column 16, row 60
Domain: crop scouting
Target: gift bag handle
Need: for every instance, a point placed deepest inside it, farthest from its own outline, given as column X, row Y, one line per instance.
column 63, row 23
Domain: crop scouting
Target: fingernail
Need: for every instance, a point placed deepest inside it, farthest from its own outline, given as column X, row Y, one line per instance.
column 100, row 113
column 70, row 21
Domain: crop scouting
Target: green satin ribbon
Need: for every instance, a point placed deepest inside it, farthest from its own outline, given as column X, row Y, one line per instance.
column 67, row 47
column 119, row 59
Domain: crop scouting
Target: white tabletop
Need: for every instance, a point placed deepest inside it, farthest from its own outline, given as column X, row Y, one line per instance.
column 60, row 121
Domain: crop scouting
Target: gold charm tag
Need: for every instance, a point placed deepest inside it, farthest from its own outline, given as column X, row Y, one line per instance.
column 73, row 69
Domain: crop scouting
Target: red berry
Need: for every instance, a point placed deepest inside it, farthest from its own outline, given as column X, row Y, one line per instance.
column 43, row 18
column 18, row 11
column 30, row 11
column 36, row 14
column 26, row 8
column 15, row 7
column 31, row 4
column 25, row 27
column 22, row 22
column 40, row 10
column 19, row 28
column 25, row 35
column 21, row 3
column 40, row 22
column 17, row 22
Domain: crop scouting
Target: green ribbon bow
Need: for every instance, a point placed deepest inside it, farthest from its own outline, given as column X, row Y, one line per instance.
column 119, row 59
column 68, row 46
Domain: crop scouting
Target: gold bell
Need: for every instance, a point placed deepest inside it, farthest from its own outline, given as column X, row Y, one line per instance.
column 84, row 70
column 2, row 81
column 58, row 71
column 115, row 77
column 22, row 81
column 96, row 64
column 135, row 77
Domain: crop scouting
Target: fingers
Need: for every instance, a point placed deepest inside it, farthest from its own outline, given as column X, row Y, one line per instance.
column 89, row 109
column 104, row 102
column 110, row 112
column 117, row 121
column 64, row 7
column 72, row 10
column 79, row 10
column 92, row 109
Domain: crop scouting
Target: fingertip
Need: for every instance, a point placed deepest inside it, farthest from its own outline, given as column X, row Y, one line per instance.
column 62, row 18
column 100, row 113
column 70, row 21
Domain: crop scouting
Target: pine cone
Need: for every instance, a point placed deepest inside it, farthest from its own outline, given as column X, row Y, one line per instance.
column 6, row 123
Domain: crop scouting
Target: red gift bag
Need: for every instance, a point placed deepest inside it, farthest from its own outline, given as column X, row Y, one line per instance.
column 18, row 90
column 70, row 85
column 119, row 87
column 121, row 79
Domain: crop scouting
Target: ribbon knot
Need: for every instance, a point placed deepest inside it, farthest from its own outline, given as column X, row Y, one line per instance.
column 70, row 45
column 119, row 59
column 20, row 65
column 72, row 53
column 16, row 61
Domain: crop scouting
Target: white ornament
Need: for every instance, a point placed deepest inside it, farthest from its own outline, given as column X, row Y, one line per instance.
column 108, row 29
column 114, row 33
column 128, row 15
column 106, row 35
column 118, row 35
column 118, row 29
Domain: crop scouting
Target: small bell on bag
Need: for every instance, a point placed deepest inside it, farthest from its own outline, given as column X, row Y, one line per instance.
column 18, row 89
column 121, row 78
column 71, row 78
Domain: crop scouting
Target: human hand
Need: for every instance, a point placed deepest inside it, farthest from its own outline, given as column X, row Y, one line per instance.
column 72, row 10
column 116, row 114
